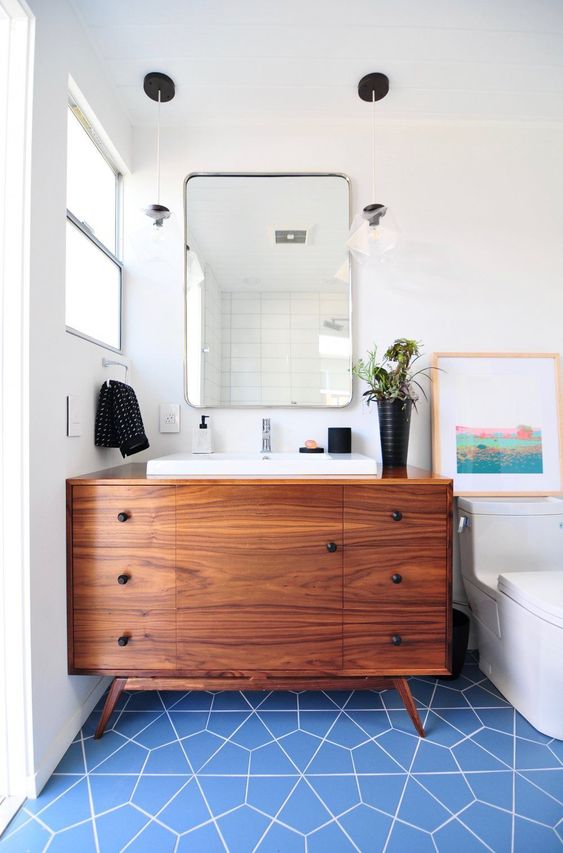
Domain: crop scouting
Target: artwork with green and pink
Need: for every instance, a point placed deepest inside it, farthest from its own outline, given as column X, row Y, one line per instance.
column 499, row 450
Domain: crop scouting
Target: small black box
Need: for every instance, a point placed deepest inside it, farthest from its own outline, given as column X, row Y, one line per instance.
column 339, row 440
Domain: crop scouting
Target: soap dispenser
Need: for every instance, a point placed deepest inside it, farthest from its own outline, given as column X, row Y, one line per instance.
column 202, row 440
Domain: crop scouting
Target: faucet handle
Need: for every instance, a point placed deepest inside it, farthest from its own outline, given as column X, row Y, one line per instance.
column 265, row 424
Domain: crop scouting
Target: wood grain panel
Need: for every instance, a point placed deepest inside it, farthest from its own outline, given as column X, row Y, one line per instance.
column 368, row 520
column 256, row 585
column 260, row 638
column 368, row 572
column 151, row 633
column 368, row 645
column 150, row 509
column 151, row 583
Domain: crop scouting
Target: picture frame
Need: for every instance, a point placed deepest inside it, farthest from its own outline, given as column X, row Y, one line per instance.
column 496, row 422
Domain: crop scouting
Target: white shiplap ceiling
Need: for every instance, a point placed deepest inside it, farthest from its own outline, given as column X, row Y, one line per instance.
column 274, row 60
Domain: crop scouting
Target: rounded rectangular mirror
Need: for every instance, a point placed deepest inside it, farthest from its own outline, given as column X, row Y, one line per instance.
column 268, row 296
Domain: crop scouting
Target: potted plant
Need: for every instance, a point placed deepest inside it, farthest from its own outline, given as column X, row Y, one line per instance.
column 394, row 386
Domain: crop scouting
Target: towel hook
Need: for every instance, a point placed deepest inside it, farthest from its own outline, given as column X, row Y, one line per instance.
column 107, row 362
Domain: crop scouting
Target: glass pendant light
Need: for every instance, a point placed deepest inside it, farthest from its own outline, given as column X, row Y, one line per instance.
column 374, row 232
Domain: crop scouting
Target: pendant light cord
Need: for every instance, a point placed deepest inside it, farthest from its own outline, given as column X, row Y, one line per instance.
column 373, row 146
column 158, row 152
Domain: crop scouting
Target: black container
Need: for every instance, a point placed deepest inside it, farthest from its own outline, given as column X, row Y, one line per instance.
column 394, row 427
column 339, row 440
column 460, row 637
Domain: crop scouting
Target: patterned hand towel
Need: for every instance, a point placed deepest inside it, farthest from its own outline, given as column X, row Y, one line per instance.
column 118, row 419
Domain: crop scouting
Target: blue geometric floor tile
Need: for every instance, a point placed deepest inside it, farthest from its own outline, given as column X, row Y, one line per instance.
column 223, row 793
column 534, row 756
column 231, row 759
column 30, row 838
column 383, row 792
column 242, row 829
column 194, row 701
column 300, row 746
column 330, row 838
column 115, row 829
column 463, row 719
column 73, row 802
column 129, row 759
column 406, row 838
column 224, row 723
column 130, row 724
column 368, row 828
column 318, row 722
column 446, row 697
column 206, row 839
column 392, row 701
column 279, row 722
column 531, row 836
column 315, row 700
column 187, row 810
column 72, row 761
column 157, row 733
column 471, row 756
column 346, row 733
column 550, row 781
column 478, row 697
column 252, row 733
column 433, row 758
column 153, row 792
column 339, row 697
column 439, row 731
column 279, row 838
column 80, row 837
column 501, row 745
column 98, row 750
column 17, row 822
column 231, row 700
column 188, row 723
column 171, row 697
column 491, row 825
column 255, row 697
column 500, row 719
column 56, row 786
column 167, row 759
column 338, row 793
column 370, row 758
column 372, row 723
column 422, row 690
column 121, row 702
column 269, row 793
column 279, row 701
column 556, row 746
column 200, row 747
column 532, row 803
column 492, row 788
column 455, row 836
column 153, row 837
column 145, row 701
column 450, row 789
column 91, row 724
column 365, row 700
column 108, row 796
column 420, row 807
column 304, row 810
column 271, row 759
column 401, row 746
column 331, row 759
column 401, row 722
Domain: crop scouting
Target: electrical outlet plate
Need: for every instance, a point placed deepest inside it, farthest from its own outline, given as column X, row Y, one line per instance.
column 73, row 416
column 169, row 417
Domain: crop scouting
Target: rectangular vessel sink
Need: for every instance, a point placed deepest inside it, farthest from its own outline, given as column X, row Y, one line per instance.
column 262, row 465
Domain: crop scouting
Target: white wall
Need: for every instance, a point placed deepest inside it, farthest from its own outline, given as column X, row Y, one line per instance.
column 479, row 269
column 60, row 364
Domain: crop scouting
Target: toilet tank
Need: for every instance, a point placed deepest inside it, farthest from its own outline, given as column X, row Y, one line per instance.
column 510, row 535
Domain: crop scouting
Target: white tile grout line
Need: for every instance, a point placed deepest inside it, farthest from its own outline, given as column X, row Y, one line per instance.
column 90, row 800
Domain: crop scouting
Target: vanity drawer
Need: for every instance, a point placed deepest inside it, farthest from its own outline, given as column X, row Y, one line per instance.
column 396, row 517
column 114, row 579
column 150, row 635
column 123, row 516
column 398, row 642
column 399, row 576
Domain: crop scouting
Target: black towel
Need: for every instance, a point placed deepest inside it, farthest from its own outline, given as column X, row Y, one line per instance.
column 118, row 419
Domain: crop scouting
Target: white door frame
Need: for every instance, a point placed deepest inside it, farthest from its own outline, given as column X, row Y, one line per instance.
column 15, row 682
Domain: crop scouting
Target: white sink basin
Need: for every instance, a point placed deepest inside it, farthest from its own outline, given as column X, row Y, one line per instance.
column 262, row 465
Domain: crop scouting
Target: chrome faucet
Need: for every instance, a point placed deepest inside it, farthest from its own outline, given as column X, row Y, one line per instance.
column 266, row 440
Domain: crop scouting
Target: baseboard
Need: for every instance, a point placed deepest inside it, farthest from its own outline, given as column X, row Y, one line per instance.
column 8, row 808
column 37, row 781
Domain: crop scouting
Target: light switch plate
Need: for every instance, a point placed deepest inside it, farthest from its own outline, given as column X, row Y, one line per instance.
column 169, row 417
column 73, row 416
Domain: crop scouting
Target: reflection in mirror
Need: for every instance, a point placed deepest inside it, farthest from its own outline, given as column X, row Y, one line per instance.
column 267, row 290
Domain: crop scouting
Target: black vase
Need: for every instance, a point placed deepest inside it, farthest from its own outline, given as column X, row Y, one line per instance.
column 394, row 427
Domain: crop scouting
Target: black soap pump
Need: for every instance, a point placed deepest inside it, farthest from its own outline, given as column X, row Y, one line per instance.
column 202, row 437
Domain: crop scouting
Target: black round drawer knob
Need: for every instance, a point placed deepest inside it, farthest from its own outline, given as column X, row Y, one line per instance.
column 123, row 641
column 396, row 515
column 396, row 639
column 122, row 579
column 122, row 516
column 331, row 546
column 396, row 578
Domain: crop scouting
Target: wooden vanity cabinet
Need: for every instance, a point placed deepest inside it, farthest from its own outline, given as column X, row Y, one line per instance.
column 249, row 584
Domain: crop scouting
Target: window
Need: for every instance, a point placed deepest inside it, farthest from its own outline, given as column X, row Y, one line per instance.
column 93, row 265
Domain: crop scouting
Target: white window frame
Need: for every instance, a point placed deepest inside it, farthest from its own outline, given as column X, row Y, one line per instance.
column 83, row 227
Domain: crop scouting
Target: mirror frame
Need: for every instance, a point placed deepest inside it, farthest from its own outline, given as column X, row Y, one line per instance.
column 186, row 249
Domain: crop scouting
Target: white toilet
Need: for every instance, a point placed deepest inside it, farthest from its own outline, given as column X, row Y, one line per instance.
column 512, row 567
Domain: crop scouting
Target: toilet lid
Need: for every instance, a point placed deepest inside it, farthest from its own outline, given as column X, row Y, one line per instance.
column 539, row 592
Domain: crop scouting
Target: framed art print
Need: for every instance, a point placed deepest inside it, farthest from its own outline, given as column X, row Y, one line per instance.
column 496, row 427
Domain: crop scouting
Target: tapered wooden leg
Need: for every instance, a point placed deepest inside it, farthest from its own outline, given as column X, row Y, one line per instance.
column 115, row 691
column 401, row 685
